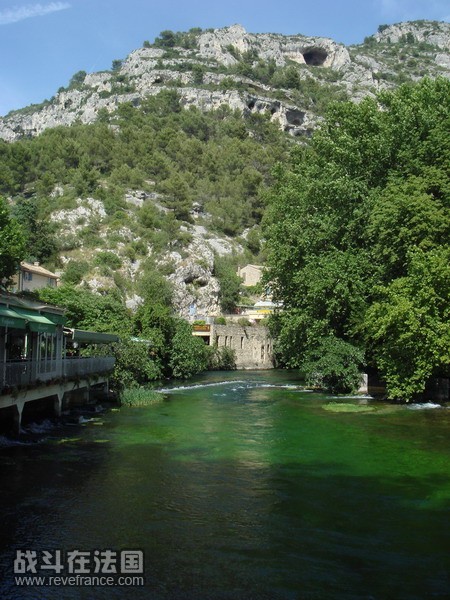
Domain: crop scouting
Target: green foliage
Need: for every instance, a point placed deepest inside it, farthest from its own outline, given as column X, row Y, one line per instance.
column 108, row 259
column 86, row 310
column 139, row 396
column 12, row 243
column 116, row 65
column 189, row 354
column 244, row 322
column 134, row 366
column 343, row 220
column 74, row 272
column 77, row 79
column 408, row 325
column 220, row 321
column 154, row 287
column 169, row 39
column 334, row 365
column 221, row 358
column 218, row 159
column 40, row 239
column 230, row 283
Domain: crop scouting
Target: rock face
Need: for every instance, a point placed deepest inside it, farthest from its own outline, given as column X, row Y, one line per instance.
column 220, row 44
column 196, row 290
column 361, row 70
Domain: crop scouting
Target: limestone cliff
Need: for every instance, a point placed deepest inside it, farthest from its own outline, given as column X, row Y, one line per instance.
column 205, row 75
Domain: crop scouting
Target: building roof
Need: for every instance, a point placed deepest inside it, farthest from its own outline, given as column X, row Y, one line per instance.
column 259, row 267
column 36, row 268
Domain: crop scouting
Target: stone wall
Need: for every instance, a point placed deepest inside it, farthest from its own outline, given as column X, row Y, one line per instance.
column 252, row 345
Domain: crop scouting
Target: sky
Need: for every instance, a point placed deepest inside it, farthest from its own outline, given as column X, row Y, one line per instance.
column 42, row 44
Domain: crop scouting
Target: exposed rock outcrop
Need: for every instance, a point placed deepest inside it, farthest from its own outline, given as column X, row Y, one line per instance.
column 361, row 70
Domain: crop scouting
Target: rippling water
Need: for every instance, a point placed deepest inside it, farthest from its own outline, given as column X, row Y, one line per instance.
column 241, row 486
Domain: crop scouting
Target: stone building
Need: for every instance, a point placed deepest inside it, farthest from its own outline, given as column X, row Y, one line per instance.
column 253, row 345
column 250, row 274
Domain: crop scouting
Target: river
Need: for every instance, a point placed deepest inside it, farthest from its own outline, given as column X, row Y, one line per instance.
column 238, row 486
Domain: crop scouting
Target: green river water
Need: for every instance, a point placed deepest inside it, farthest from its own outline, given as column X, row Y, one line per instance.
column 240, row 486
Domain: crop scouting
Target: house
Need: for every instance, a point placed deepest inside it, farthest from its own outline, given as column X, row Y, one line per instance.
column 33, row 277
column 41, row 366
column 250, row 274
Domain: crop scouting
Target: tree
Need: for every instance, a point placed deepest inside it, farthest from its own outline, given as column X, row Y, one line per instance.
column 408, row 325
column 86, row 310
column 12, row 243
column 77, row 79
column 344, row 219
column 41, row 242
column 230, row 283
column 135, row 364
column 189, row 354
column 166, row 39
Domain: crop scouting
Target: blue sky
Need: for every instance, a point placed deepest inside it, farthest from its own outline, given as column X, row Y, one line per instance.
column 42, row 44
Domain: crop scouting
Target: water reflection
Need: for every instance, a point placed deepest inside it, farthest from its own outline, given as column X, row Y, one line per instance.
column 242, row 491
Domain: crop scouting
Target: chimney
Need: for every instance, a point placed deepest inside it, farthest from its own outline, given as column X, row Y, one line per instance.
column 36, row 263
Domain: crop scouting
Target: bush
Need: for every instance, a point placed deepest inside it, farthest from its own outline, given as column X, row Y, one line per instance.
column 108, row 259
column 134, row 366
column 221, row 359
column 139, row 396
column 74, row 272
column 244, row 322
column 333, row 365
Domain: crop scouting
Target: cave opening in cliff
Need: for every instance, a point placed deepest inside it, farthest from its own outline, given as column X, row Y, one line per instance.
column 315, row 57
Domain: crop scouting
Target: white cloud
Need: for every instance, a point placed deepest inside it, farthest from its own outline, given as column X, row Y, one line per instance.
column 19, row 13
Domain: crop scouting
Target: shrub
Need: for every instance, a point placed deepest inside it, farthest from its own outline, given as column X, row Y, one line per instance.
column 221, row 359
column 108, row 259
column 333, row 365
column 244, row 322
column 139, row 396
column 75, row 271
column 134, row 366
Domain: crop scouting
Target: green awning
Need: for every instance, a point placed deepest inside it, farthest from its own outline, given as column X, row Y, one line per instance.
column 36, row 321
column 93, row 337
column 9, row 318
column 54, row 318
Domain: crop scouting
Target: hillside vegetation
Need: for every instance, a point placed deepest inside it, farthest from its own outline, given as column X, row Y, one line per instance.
column 148, row 184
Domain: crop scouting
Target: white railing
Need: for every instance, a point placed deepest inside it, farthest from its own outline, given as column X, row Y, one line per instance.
column 26, row 372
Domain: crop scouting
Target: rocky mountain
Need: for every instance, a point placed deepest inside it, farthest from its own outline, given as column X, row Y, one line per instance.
column 276, row 74
column 170, row 194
